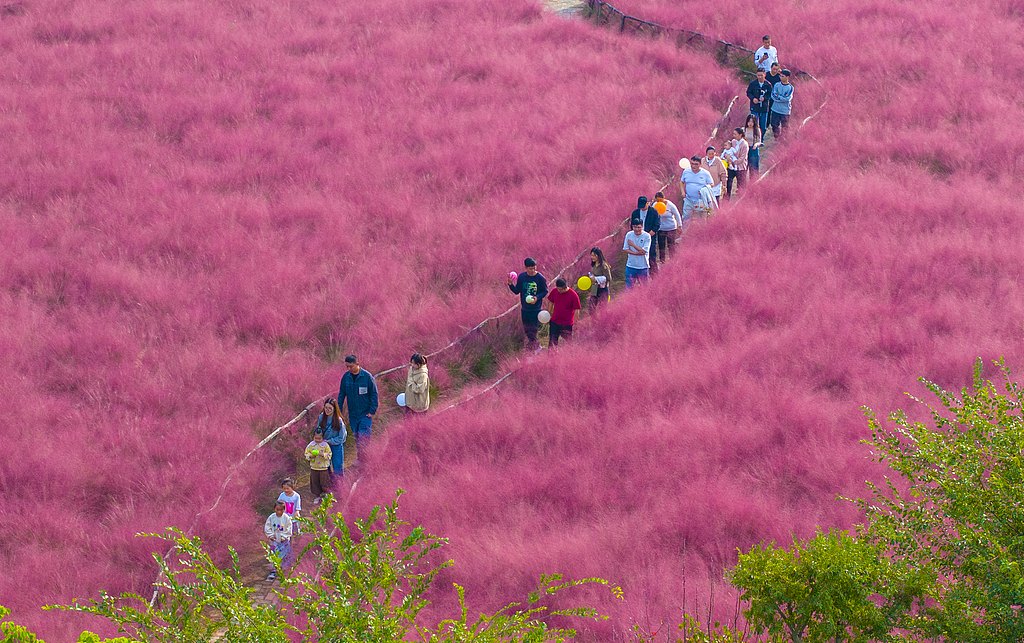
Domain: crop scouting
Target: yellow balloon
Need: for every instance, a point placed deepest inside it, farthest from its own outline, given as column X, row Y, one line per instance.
column 584, row 283
column 660, row 207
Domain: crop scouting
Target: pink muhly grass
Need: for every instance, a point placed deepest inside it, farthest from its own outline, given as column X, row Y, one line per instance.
column 205, row 207
column 719, row 407
column 194, row 198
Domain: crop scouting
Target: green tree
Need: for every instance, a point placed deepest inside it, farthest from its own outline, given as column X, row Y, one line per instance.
column 14, row 633
column 832, row 587
column 959, row 509
column 368, row 587
column 89, row 637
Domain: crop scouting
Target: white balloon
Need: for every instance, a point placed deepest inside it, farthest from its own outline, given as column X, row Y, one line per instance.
column 544, row 317
column 401, row 399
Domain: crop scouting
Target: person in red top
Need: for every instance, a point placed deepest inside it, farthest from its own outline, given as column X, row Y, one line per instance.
column 562, row 304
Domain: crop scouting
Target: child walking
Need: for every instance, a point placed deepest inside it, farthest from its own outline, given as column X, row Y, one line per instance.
column 318, row 453
column 417, row 385
column 278, row 529
column 292, row 503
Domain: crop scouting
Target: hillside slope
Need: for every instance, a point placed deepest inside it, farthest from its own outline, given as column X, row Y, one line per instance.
column 205, row 206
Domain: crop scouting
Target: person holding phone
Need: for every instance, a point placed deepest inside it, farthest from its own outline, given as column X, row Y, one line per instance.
column 766, row 54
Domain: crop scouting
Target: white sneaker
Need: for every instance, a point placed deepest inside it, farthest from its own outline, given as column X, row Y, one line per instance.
column 272, row 576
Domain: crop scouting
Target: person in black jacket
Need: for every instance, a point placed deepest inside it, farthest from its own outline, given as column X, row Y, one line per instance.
column 531, row 286
column 774, row 77
column 652, row 223
column 759, row 91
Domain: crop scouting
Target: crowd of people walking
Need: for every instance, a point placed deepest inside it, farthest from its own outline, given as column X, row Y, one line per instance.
column 655, row 227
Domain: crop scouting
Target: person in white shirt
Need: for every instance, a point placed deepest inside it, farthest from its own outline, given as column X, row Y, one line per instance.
column 278, row 529
column 292, row 503
column 766, row 55
column 671, row 226
column 638, row 246
column 693, row 178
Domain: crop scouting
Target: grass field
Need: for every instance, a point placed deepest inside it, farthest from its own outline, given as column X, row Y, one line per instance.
column 207, row 205
column 721, row 406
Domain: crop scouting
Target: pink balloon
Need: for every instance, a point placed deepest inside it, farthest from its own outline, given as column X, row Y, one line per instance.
column 512, row 276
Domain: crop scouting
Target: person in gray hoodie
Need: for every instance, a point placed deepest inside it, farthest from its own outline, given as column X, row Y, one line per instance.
column 782, row 101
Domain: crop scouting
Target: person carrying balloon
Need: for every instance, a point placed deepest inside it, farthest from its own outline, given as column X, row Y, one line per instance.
column 532, row 287
column 318, row 454
column 563, row 302
column 600, row 276
column 417, row 385
column 671, row 225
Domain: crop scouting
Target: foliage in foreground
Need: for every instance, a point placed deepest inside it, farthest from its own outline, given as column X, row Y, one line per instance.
column 832, row 587
column 938, row 557
column 962, row 513
column 366, row 584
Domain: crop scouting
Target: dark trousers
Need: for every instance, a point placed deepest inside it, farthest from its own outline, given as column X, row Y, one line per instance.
column 597, row 300
column 558, row 331
column 652, row 254
column 530, row 327
column 361, row 428
column 319, row 482
column 754, row 159
column 780, row 123
column 741, row 179
column 666, row 244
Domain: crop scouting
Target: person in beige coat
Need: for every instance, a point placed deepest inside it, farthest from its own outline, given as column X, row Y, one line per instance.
column 713, row 164
column 417, row 385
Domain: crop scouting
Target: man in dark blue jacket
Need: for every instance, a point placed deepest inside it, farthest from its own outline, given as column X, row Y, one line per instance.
column 359, row 389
